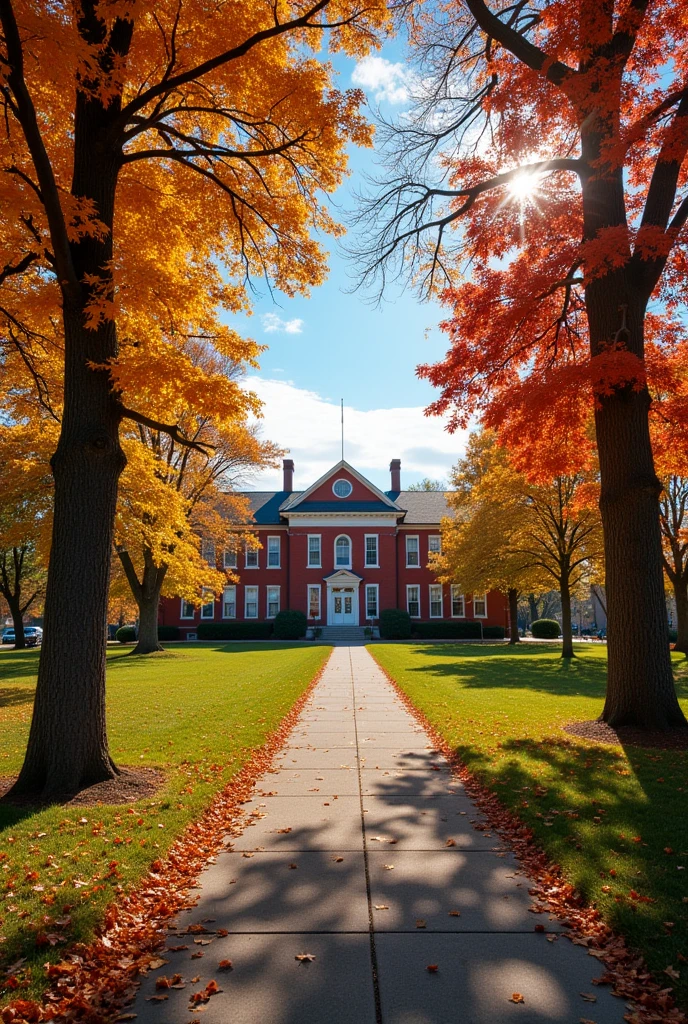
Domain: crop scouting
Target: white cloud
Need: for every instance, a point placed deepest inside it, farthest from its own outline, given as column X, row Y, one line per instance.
column 309, row 426
column 273, row 323
column 386, row 80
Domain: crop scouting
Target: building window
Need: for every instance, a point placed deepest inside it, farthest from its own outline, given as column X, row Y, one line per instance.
column 251, row 602
column 435, row 601
column 371, row 601
column 273, row 601
column 208, row 550
column 342, row 553
column 251, row 557
column 371, row 554
column 434, row 544
column 458, row 604
column 229, row 558
column 274, row 552
column 413, row 601
column 412, row 553
column 314, row 561
column 480, row 606
column 342, row 488
column 208, row 606
column 187, row 611
column 314, row 602
column 229, row 603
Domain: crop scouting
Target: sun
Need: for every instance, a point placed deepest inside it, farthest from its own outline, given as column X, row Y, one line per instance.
column 523, row 187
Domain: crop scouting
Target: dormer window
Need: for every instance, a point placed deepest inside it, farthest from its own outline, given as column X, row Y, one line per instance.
column 342, row 488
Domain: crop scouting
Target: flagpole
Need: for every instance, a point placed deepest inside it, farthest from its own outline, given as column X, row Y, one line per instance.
column 342, row 401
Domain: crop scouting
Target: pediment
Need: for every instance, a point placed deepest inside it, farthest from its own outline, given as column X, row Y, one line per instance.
column 321, row 491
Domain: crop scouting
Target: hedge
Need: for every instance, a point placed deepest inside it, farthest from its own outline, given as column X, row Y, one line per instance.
column 395, row 624
column 447, row 630
column 234, row 630
column 168, row 632
column 494, row 632
column 545, row 629
column 126, row 634
column 290, row 625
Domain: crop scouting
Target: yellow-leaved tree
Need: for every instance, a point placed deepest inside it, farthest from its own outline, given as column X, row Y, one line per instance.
column 516, row 536
column 178, row 506
column 156, row 157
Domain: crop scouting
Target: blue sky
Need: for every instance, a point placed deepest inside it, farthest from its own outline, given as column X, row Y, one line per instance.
column 336, row 345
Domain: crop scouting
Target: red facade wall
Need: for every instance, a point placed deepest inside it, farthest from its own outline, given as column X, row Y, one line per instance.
column 294, row 575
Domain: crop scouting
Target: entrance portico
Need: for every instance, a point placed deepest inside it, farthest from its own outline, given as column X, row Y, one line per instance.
column 342, row 598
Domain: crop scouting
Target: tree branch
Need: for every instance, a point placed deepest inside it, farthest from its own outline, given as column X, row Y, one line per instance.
column 171, row 429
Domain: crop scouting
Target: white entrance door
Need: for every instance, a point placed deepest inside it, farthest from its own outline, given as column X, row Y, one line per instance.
column 344, row 607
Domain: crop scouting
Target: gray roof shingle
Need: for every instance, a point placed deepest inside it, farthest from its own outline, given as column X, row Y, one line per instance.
column 423, row 508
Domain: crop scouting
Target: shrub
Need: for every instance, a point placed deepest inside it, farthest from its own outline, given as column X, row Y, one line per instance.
column 494, row 632
column 234, row 630
column 447, row 630
column 546, row 629
column 290, row 625
column 126, row 634
column 168, row 632
column 395, row 624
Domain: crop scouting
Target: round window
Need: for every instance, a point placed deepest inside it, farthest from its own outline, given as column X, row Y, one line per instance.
column 342, row 488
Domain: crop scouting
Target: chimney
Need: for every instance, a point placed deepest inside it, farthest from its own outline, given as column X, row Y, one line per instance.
column 288, row 469
column 395, row 470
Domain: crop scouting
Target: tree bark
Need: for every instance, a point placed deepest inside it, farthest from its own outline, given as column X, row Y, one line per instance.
column 566, row 631
column 14, row 605
column 680, row 586
column 68, row 748
column 533, row 605
column 514, row 638
column 146, row 593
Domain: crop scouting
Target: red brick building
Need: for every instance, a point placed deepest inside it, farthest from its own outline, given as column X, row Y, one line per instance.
column 341, row 551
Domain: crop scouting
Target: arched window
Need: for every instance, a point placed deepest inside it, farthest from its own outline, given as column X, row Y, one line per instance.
column 342, row 552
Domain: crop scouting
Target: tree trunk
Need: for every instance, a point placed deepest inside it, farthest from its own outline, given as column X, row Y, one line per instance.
column 566, row 631
column 640, row 683
column 67, row 748
column 514, row 638
column 14, row 605
column 147, row 596
column 680, row 586
column 533, row 605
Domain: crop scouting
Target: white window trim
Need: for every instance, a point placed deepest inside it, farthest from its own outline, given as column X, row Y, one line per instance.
column 376, row 564
column 257, row 600
column 313, row 586
column 351, row 551
column 309, row 564
column 186, row 618
column 232, row 554
column 279, row 552
column 463, row 600
column 267, row 601
column 204, row 605
column 475, row 614
column 255, row 551
column 376, row 588
column 415, row 586
column 412, row 536
column 441, row 590
column 430, row 537
column 229, row 586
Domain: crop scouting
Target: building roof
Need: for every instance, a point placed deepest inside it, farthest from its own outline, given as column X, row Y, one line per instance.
column 422, row 507
column 265, row 505
column 341, row 507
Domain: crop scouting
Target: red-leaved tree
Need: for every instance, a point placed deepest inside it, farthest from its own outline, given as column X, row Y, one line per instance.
column 540, row 185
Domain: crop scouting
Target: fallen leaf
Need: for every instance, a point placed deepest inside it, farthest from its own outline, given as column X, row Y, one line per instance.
column 225, row 965
column 381, row 906
column 420, row 923
column 516, row 997
column 338, row 860
column 305, row 958
column 588, row 996
column 672, row 972
column 450, row 842
column 433, row 968
column 455, row 913
column 156, row 999
column 162, row 982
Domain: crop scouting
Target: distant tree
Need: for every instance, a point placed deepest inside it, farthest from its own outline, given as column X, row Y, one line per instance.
column 673, row 517
column 426, row 484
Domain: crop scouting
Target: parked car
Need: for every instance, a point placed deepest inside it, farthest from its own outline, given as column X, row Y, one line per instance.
column 33, row 635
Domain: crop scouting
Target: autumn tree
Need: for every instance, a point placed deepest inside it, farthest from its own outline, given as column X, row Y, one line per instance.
column 673, row 512
column 25, row 515
column 156, row 159
column 540, row 184
column 513, row 535
column 179, row 506
column 428, row 484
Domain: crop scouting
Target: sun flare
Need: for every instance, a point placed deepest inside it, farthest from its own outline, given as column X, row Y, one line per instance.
column 523, row 186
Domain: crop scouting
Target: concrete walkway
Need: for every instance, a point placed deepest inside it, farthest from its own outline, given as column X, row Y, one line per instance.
column 360, row 850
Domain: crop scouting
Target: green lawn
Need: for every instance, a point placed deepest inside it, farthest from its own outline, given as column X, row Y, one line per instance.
column 197, row 712
column 626, row 828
